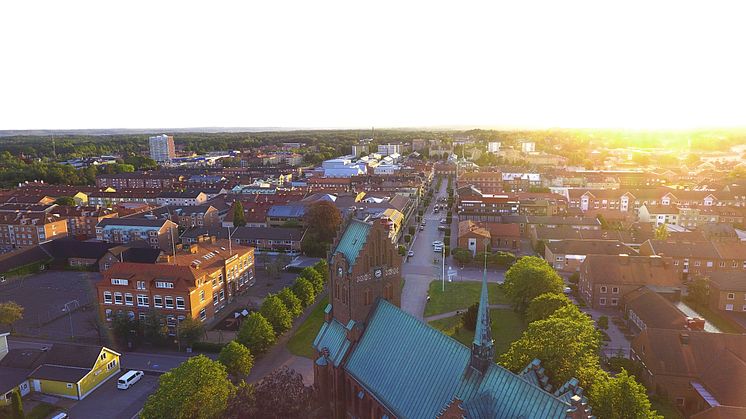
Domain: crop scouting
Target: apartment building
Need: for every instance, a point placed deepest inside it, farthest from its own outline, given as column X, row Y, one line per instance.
column 487, row 182
column 692, row 258
column 568, row 255
column 29, row 229
column 82, row 220
column 728, row 290
column 475, row 205
column 181, row 198
column 113, row 198
column 606, row 279
column 269, row 239
column 137, row 180
column 158, row 233
column 162, row 148
column 196, row 283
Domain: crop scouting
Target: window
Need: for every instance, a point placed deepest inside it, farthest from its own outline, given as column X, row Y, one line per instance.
column 680, row 401
column 675, row 263
column 111, row 365
column 214, row 282
column 107, row 297
column 602, row 301
column 117, row 298
column 731, row 296
column 203, row 314
column 180, row 303
column 614, row 301
column 69, row 385
column 709, row 264
column 722, row 264
column 128, row 299
column 142, row 300
column 215, row 299
column 162, row 284
column 142, row 316
column 604, row 289
column 222, row 294
column 169, row 302
column 615, row 290
column 202, row 295
column 115, row 281
column 157, row 301
column 108, row 314
column 141, row 285
column 697, row 263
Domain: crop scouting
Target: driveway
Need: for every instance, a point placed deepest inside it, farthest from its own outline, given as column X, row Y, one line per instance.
column 109, row 402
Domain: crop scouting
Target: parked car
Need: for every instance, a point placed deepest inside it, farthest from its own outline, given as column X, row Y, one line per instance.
column 437, row 242
column 422, row 228
column 128, row 379
column 411, row 253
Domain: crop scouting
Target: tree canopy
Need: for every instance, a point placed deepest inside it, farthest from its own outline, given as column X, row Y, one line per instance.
column 545, row 305
column 239, row 219
column 256, row 333
column 10, row 312
column 304, row 290
column 237, row 359
column 621, row 397
column 528, row 278
column 291, row 301
column 276, row 313
column 197, row 389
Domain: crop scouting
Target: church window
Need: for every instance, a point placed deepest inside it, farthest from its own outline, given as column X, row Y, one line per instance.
column 367, row 296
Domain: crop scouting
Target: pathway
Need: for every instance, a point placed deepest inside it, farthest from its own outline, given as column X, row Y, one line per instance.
column 440, row 316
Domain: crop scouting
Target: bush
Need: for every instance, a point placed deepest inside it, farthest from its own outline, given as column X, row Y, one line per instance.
column 402, row 250
column 616, row 364
column 574, row 278
column 411, row 230
column 469, row 317
column 407, row 238
column 603, row 322
column 209, row 347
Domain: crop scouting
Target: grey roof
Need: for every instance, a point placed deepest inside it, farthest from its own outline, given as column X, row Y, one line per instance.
column 270, row 233
column 729, row 281
column 185, row 194
column 292, row 211
column 590, row 247
column 59, row 373
column 132, row 222
column 10, row 378
column 194, row 232
column 68, row 248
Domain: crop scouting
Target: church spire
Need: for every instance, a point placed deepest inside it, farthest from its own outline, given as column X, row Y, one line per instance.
column 482, row 348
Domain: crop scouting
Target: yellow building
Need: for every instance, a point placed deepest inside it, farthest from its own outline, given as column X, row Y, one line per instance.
column 64, row 370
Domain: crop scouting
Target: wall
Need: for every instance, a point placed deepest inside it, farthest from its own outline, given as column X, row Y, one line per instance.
column 99, row 373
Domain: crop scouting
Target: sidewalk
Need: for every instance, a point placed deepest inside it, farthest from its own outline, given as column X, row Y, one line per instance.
column 457, row 312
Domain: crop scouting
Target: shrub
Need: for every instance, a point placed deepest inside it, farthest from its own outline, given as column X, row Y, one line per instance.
column 469, row 317
column 574, row 278
column 210, row 347
column 603, row 322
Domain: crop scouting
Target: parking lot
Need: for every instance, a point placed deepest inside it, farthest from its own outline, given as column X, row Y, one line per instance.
column 108, row 401
column 44, row 297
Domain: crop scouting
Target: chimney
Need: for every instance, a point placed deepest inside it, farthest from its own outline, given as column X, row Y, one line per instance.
column 193, row 248
column 684, row 338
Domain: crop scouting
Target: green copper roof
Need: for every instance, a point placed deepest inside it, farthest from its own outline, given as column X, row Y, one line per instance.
column 333, row 336
column 353, row 240
column 416, row 371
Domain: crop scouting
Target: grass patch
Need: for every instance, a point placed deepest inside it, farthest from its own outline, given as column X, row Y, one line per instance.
column 300, row 343
column 41, row 411
column 715, row 318
column 507, row 326
column 665, row 408
column 460, row 295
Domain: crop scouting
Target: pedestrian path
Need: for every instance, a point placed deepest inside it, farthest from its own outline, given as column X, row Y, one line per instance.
column 457, row 312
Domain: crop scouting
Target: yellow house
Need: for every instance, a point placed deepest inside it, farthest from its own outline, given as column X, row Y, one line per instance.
column 74, row 371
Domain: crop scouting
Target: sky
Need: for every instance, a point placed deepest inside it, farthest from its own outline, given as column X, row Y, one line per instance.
column 354, row 64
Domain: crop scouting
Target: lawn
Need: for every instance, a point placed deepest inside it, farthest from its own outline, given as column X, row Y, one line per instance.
column 665, row 408
column 300, row 343
column 507, row 326
column 460, row 295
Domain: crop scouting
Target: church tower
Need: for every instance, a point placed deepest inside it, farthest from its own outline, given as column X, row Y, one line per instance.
column 483, row 348
column 364, row 266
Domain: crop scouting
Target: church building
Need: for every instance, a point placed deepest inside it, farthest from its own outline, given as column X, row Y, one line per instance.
column 377, row 362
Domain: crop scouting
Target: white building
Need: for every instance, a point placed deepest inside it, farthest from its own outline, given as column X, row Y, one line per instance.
column 386, row 169
column 528, row 146
column 359, row 149
column 386, row 149
column 162, row 148
column 493, row 147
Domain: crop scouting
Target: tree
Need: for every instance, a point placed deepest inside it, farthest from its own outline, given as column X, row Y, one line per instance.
column 541, row 246
column 239, row 219
column 545, row 305
column 237, row 359
column 291, row 301
column 528, row 278
column 304, row 290
column 154, row 328
column 190, row 331
column 276, row 313
column 256, row 333
column 566, row 342
column 16, row 404
column 282, row 394
column 574, row 278
column 10, row 313
column 241, row 404
column 620, row 397
column 469, row 317
column 315, row 278
column 462, row 256
column 603, row 322
column 197, row 389
column 323, row 220
column 699, row 291
column 322, row 267
column 67, row 201
column 661, row 232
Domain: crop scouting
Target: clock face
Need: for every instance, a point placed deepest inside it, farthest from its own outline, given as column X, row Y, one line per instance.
column 378, row 272
column 340, row 271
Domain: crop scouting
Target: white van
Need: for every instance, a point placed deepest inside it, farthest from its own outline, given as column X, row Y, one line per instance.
column 128, row 379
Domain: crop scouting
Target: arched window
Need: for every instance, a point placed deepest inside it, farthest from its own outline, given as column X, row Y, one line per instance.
column 366, row 295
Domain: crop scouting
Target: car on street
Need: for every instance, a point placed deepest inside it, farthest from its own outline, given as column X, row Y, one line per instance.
column 442, row 228
column 437, row 242
column 411, row 253
column 422, row 228
column 443, row 221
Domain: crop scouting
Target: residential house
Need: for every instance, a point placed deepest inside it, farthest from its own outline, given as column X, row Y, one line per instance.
column 269, row 239
column 472, row 236
column 728, row 290
column 699, row 258
column 696, row 370
column 568, row 255
column 137, row 180
column 158, row 233
column 645, row 308
column 658, row 215
column 19, row 230
column 606, row 279
column 82, row 220
column 186, row 198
